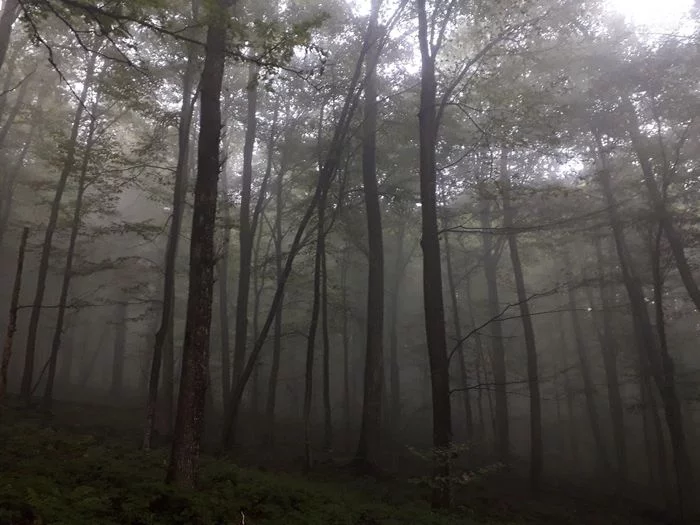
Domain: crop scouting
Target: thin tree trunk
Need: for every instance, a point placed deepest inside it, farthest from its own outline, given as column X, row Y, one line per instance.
column 223, row 311
column 68, row 270
column 12, row 322
column 65, row 371
column 478, row 345
column 368, row 447
column 163, row 343
column 18, row 105
column 568, row 391
column 464, row 382
column 42, row 273
column 611, row 372
column 432, row 272
column 311, row 336
column 277, row 340
column 117, row 388
column 189, row 424
column 327, row 414
column 660, row 363
column 246, row 234
column 658, row 202
column 498, row 356
column 394, row 369
column 588, row 386
column 10, row 12
column 346, row 342
column 530, row 343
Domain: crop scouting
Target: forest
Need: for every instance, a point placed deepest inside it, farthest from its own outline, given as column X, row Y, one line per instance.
column 349, row 262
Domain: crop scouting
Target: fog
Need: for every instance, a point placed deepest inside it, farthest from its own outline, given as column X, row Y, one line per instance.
column 443, row 242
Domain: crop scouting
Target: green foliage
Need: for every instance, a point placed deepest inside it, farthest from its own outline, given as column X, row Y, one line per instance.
column 50, row 476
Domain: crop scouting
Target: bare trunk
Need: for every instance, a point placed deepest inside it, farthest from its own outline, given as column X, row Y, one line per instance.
column 12, row 322
column 68, row 270
column 464, row 382
column 164, row 338
column 480, row 361
column 608, row 349
column 327, row 414
column 394, row 311
column 588, row 386
column 432, row 272
column 194, row 378
column 18, row 105
column 246, row 234
column 43, row 270
column 368, row 448
column 118, row 355
column 530, row 344
column 660, row 363
column 10, row 12
column 498, row 356
column 346, row 343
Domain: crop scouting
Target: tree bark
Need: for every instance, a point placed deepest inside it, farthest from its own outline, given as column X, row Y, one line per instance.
column 9, row 14
column 68, row 270
column 117, row 388
column 464, row 381
column 16, row 107
column 394, row 310
column 12, row 323
column 660, row 363
column 368, row 448
column 479, row 347
column 327, row 413
column 498, row 356
column 528, row 329
column 432, row 272
column 163, row 347
column 42, row 273
column 189, row 424
column 608, row 349
column 246, row 234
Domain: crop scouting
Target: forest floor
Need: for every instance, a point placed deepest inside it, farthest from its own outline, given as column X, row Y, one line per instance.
column 59, row 472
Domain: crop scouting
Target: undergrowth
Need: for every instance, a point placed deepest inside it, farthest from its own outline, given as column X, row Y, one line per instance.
column 51, row 476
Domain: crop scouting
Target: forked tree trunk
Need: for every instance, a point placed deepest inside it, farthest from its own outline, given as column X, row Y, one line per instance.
column 42, row 273
column 194, row 378
column 12, row 322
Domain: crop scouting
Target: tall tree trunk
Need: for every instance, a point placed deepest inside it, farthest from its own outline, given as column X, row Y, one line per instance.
column 528, row 329
column 432, row 273
column 368, row 448
column 9, row 14
column 246, row 234
column 346, row 342
column 118, row 356
column 311, row 336
column 479, row 347
column 327, row 413
column 42, row 273
column 660, row 363
column 608, row 349
column 164, row 339
column 588, row 385
column 277, row 338
column 194, row 378
column 394, row 310
column 12, row 323
column 223, row 306
column 498, row 355
column 464, row 382
column 68, row 270
column 65, row 371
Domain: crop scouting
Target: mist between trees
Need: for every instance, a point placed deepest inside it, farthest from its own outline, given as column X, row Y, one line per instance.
column 316, row 232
